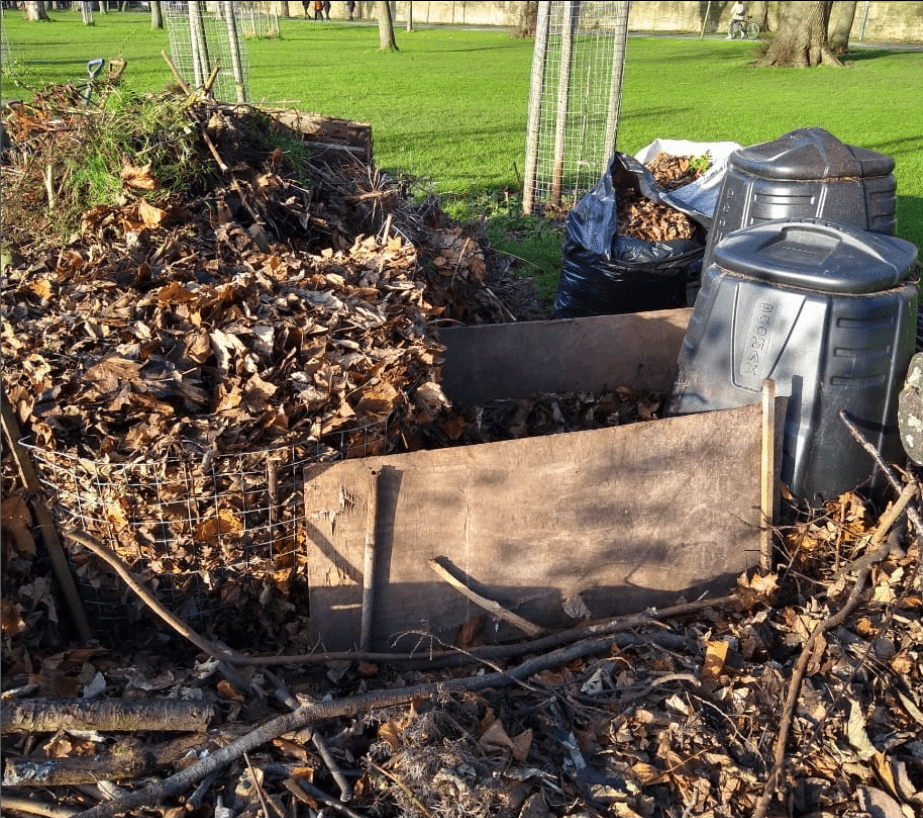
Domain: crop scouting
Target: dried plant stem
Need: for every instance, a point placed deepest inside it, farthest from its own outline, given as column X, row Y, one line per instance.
column 404, row 788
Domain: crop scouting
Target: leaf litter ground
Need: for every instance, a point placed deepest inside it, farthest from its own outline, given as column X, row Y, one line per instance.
column 294, row 308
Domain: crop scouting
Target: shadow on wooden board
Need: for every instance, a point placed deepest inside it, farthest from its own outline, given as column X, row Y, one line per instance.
column 625, row 518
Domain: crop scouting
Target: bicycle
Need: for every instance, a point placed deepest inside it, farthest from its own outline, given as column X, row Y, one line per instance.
column 738, row 29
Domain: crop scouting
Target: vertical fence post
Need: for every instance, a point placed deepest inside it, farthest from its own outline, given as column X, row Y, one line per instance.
column 539, row 55
column 571, row 10
column 615, row 89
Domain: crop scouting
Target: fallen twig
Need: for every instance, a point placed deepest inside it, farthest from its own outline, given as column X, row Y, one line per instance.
column 316, row 711
column 491, row 606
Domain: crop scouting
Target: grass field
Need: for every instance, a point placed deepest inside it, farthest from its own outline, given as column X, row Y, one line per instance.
column 449, row 109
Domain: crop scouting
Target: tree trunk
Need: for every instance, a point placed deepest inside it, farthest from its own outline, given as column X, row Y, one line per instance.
column 528, row 17
column 801, row 41
column 386, row 41
column 156, row 15
column 283, row 9
column 34, row 10
column 759, row 13
column 841, row 20
column 410, row 16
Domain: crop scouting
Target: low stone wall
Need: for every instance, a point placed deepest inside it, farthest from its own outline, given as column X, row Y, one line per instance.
column 875, row 21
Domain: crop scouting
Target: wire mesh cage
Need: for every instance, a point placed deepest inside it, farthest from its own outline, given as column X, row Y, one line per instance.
column 210, row 534
column 574, row 99
column 205, row 37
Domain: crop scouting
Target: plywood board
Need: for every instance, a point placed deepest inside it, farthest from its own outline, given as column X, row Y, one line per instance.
column 626, row 517
column 569, row 355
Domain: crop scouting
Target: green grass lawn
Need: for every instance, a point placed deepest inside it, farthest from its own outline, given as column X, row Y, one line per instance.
column 449, row 109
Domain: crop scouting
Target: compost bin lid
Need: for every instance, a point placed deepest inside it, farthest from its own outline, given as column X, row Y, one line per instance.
column 817, row 255
column 810, row 154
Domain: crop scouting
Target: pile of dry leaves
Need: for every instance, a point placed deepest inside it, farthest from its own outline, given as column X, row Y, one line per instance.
column 189, row 355
column 642, row 218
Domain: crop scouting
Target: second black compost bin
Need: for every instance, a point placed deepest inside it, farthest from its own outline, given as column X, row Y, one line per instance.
column 806, row 173
column 826, row 311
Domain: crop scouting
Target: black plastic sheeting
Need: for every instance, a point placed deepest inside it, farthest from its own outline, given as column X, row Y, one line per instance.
column 603, row 273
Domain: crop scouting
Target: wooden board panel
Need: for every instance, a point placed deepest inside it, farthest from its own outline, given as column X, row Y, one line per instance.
column 626, row 517
column 569, row 355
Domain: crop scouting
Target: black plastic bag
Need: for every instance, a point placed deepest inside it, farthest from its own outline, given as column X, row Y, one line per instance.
column 606, row 274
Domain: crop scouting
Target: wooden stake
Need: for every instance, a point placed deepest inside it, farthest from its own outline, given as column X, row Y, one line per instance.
column 45, row 521
column 368, row 571
column 767, row 481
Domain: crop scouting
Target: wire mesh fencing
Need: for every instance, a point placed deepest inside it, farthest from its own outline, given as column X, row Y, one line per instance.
column 574, row 99
column 213, row 535
column 207, row 37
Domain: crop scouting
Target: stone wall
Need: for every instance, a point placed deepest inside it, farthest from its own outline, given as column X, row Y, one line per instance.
column 875, row 21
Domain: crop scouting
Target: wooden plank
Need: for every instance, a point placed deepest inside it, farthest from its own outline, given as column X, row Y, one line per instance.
column 626, row 517
column 640, row 350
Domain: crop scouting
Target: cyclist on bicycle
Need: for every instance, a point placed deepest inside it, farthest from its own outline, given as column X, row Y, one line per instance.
column 738, row 14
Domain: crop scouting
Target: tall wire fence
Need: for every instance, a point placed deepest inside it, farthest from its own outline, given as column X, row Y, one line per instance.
column 574, row 99
column 208, row 37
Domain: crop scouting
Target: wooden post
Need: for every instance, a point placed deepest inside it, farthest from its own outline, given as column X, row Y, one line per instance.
column 571, row 11
column 767, row 477
column 368, row 571
column 234, row 41
column 539, row 55
column 615, row 89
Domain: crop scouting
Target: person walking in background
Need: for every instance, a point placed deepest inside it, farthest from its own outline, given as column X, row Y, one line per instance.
column 326, row 6
column 307, row 5
column 351, row 8
column 318, row 9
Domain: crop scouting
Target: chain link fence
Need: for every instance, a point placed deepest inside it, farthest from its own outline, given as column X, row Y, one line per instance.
column 574, row 99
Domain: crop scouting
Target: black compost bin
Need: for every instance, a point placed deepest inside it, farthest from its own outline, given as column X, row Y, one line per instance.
column 829, row 313
column 807, row 173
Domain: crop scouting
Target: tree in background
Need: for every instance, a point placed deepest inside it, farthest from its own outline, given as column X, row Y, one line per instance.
column 528, row 17
column 156, row 15
column 801, row 41
column 386, row 41
column 34, row 10
column 841, row 22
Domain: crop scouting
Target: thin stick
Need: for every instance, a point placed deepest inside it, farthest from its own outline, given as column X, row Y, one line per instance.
column 404, row 788
column 767, row 483
column 489, row 605
column 888, row 472
column 368, row 572
column 45, row 521
column 176, row 74
column 152, row 602
column 304, row 792
column 259, row 790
